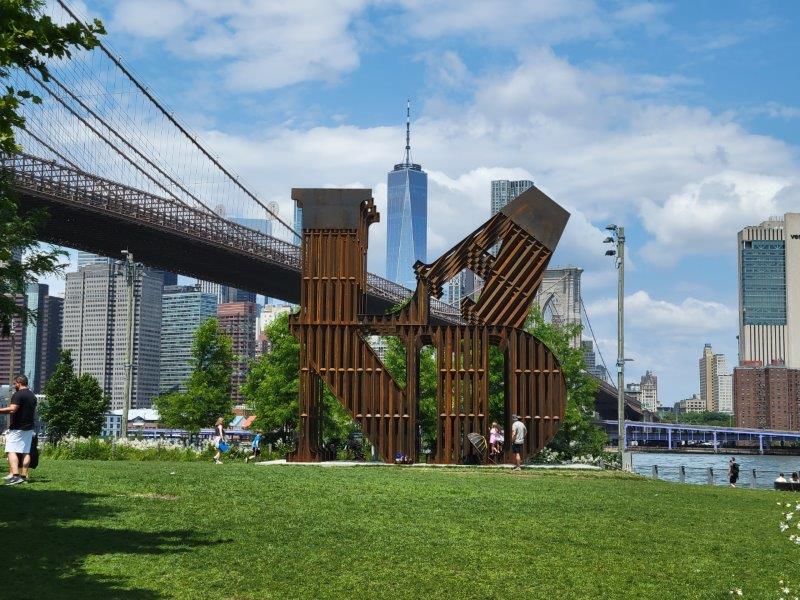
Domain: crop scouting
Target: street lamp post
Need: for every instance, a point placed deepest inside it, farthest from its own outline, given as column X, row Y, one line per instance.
column 618, row 237
column 130, row 270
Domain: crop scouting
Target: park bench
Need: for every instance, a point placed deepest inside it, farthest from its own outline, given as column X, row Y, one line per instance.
column 787, row 486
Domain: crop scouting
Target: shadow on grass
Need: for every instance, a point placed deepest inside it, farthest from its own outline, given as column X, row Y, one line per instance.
column 44, row 553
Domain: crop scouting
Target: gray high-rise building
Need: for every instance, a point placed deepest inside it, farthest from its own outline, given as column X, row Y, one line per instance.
column 592, row 367
column 769, row 293
column 715, row 382
column 505, row 190
column 90, row 258
column 224, row 293
column 95, row 330
column 184, row 308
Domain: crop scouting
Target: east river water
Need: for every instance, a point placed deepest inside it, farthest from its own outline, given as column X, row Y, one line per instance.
column 767, row 467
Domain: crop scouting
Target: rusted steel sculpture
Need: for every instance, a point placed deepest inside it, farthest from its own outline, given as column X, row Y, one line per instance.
column 331, row 327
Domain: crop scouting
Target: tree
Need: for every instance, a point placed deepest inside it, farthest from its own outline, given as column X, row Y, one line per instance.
column 27, row 39
column 74, row 405
column 272, row 388
column 272, row 385
column 208, row 390
column 60, row 399
column 578, row 435
column 717, row 419
column 92, row 405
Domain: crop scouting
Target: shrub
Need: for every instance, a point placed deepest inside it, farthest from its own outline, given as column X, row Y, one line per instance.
column 72, row 448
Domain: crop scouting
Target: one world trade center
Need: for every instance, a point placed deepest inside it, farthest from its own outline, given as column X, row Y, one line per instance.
column 407, row 225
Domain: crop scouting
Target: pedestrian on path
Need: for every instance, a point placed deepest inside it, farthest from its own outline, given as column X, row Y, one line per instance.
column 733, row 472
column 518, row 432
column 219, row 437
column 22, row 409
column 256, row 447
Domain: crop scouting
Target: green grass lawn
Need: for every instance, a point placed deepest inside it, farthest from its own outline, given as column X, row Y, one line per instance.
column 137, row 530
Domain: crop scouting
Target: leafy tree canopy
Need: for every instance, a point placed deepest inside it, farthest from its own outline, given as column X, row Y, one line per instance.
column 208, row 390
column 578, row 435
column 74, row 405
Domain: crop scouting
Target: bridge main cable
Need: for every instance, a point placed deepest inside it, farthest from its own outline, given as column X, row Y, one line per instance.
column 175, row 122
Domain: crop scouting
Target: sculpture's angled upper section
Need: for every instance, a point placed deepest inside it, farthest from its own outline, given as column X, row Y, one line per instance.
column 539, row 215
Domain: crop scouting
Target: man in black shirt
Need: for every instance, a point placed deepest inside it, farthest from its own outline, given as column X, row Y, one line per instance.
column 22, row 409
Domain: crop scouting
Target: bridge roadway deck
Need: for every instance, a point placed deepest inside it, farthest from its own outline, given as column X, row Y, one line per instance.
column 102, row 216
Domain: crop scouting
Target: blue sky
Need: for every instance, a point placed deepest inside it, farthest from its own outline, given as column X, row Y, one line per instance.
column 678, row 120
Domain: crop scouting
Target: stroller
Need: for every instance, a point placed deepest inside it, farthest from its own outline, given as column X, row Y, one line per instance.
column 480, row 448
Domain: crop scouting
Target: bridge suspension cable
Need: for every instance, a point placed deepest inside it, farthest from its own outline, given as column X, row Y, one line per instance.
column 99, row 117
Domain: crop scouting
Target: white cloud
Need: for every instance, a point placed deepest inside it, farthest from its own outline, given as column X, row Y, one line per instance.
column 704, row 216
column 508, row 22
column 687, row 319
column 267, row 44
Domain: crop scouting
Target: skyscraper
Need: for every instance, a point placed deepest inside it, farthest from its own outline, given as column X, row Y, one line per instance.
column 298, row 222
column 706, row 365
column 238, row 320
column 52, row 325
column 769, row 292
column 184, row 308
column 648, row 387
column 42, row 337
column 224, row 293
column 505, row 190
column 95, row 330
column 714, row 388
column 407, row 223
column 90, row 258
column 35, row 294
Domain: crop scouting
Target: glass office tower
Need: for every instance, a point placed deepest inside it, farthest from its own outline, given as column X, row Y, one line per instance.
column 407, row 223
column 769, row 292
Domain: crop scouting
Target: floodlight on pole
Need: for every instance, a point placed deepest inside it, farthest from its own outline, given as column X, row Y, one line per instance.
column 618, row 235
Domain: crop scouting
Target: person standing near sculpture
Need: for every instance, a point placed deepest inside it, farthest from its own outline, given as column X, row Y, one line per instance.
column 518, row 432
column 219, row 438
column 22, row 409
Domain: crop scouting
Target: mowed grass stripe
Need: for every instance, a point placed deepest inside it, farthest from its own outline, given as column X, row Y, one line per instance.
column 139, row 530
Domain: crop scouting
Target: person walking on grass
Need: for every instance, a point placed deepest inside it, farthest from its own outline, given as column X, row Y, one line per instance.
column 518, row 432
column 733, row 472
column 256, row 447
column 219, row 437
column 22, row 409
